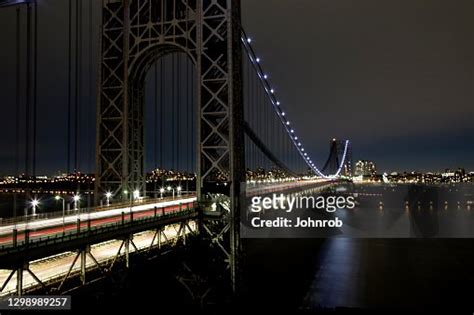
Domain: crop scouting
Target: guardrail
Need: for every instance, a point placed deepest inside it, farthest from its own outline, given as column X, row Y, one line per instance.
column 89, row 231
column 59, row 214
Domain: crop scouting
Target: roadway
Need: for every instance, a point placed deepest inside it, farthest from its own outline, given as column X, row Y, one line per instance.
column 44, row 227
column 105, row 216
column 56, row 267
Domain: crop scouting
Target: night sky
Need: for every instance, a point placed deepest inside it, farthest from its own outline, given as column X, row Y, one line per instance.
column 395, row 77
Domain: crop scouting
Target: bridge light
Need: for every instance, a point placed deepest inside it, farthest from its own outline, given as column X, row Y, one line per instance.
column 278, row 103
column 265, row 76
column 258, row 60
column 283, row 113
column 287, row 123
column 299, row 144
column 57, row 198
column 272, row 91
column 108, row 194
column 76, row 198
column 249, row 40
column 168, row 188
column 34, row 203
column 296, row 138
column 292, row 131
column 305, row 154
column 178, row 188
column 162, row 190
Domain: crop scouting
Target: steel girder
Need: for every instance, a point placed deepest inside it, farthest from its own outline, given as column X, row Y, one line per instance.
column 134, row 35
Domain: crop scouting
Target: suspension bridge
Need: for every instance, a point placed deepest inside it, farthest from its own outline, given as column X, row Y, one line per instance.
column 176, row 84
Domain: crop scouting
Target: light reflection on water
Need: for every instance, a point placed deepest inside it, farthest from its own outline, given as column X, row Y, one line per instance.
column 426, row 271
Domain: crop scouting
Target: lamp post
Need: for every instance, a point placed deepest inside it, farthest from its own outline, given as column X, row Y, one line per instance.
column 108, row 195
column 64, row 207
column 169, row 189
column 162, row 190
column 34, row 204
column 179, row 188
column 136, row 194
column 76, row 199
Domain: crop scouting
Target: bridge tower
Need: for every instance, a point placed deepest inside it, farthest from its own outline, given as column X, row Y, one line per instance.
column 134, row 35
column 336, row 153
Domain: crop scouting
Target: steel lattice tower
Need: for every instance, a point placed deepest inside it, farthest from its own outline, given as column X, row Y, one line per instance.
column 134, row 35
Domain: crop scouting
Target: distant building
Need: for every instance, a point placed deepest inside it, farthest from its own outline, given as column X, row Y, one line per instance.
column 365, row 168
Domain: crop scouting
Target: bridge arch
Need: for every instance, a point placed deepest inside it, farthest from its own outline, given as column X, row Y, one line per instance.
column 144, row 61
column 135, row 33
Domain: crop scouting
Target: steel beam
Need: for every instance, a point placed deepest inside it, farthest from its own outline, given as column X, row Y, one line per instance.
column 134, row 35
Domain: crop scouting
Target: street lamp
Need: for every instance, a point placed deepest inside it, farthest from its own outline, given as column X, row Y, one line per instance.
column 57, row 198
column 136, row 194
column 179, row 188
column 34, row 204
column 169, row 189
column 76, row 199
column 108, row 195
column 162, row 190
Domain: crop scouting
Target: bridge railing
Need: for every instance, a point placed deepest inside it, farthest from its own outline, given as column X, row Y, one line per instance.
column 88, row 230
column 59, row 214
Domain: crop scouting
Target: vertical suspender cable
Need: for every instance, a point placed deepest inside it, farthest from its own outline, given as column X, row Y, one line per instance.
column 247, row 110
column 195, row 115
column 173, row 104
column 261, row 124
column 254, row 118
column 162, row 100
column 187, row 132
column 17, row 101
column 77, row 82
column 28, row 89
column 69, row 89
column 91, row 101
column 179, row 112
column 35, row 88
column 155, row 124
